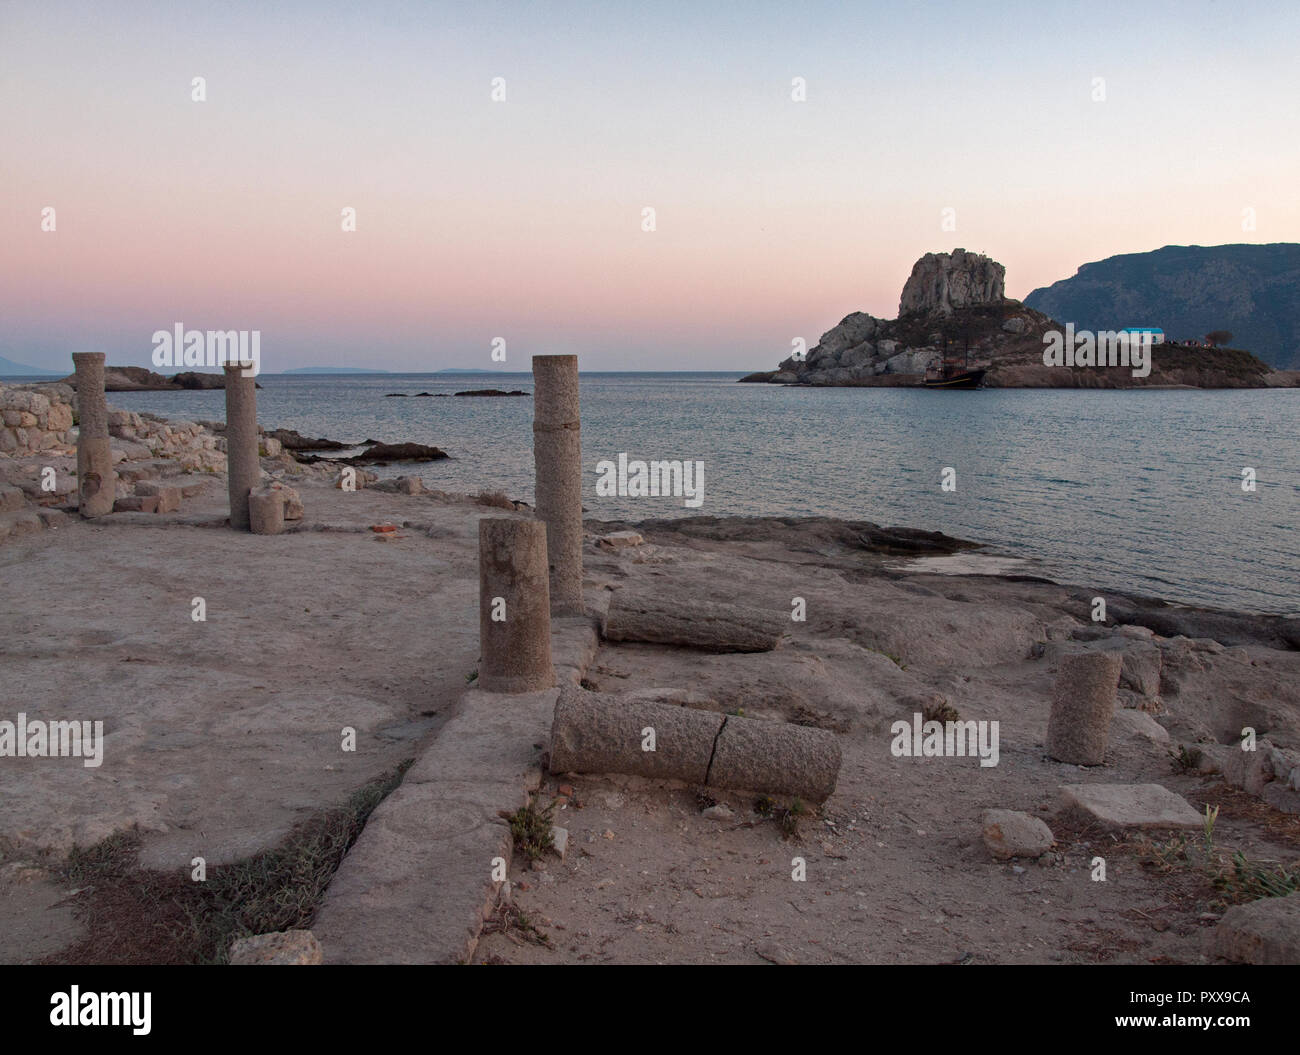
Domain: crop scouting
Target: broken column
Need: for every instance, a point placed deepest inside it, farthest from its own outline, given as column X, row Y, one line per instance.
column 1083, row 704
column 245, row 471
column 775, row 757
column 96, row 481
column 599, row 733
column 514, row 622
column 265, row 511
column 557, row 458
column 689, row 623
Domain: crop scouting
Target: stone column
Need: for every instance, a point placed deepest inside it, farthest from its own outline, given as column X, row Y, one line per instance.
column 514, row 606
column 96, row 481
column 245, row 471
column 777, row 758
column 557, row 456
column 596, row 732
column 1083, row 703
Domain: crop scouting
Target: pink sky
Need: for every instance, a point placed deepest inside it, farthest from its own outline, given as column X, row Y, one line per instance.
column 522, row 218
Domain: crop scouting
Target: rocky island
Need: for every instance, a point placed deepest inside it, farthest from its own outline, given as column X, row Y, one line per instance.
column 140, row 379
column 957, row 300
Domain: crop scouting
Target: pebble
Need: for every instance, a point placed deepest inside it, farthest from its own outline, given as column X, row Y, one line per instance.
column 774, row 952
column 720, row 812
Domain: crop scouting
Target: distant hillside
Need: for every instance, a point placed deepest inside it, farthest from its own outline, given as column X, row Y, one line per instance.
column 8, row 368
column 1189, row 290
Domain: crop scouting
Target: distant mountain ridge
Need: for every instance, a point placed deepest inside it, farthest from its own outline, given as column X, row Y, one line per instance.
column 8, row 368
column 1188, row 291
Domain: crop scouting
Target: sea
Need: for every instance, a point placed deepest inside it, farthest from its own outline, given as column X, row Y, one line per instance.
column 1186, row 494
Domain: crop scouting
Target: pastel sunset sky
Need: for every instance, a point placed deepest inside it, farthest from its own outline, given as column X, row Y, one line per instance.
column 522, row 218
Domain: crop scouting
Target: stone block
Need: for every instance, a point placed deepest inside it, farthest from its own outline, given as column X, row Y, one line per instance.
column 1132, row 805
column 136, row 504
column 169, row 497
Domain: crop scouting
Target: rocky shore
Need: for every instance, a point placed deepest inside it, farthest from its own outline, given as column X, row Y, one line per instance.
column 159, row 463
column 139, row 379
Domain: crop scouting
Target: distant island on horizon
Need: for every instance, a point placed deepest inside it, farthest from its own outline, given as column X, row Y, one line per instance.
column 334, row 370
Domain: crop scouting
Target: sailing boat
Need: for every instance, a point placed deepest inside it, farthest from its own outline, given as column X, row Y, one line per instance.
column 953, row 371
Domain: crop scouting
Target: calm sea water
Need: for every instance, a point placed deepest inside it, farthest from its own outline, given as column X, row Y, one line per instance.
column 1128, row 490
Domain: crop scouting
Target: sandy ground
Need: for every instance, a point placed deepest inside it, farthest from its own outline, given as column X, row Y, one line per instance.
column 222, row 734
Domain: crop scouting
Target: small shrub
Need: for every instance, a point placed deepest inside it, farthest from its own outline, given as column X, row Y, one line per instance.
column 496, row 499
column 942, row 711
column 1187, row 760
column 531, row 829
column 1244, row 881
column 789, row 817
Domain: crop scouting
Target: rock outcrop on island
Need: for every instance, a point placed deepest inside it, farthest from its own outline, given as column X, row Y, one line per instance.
column 955, row 302
column 943, row 282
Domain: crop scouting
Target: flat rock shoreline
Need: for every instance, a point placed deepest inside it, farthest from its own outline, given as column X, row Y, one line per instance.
column 222, row 734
